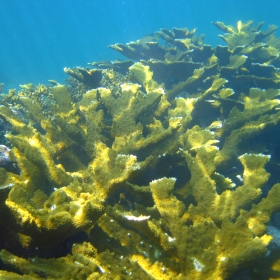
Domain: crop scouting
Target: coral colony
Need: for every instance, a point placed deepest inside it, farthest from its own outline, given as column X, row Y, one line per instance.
column 164, row 166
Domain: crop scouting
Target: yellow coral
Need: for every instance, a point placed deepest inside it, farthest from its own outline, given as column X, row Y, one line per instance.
column 165, row 168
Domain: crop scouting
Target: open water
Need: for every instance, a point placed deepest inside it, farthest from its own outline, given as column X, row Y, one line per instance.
column 39, row 38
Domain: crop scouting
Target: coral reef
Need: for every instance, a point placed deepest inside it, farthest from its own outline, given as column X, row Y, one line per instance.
column 165, row 167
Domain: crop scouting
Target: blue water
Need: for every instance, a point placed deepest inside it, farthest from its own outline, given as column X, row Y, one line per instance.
column 40, row 37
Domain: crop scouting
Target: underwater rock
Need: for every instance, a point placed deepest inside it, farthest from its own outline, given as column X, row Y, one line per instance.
column 4, row 156
column 275, row 233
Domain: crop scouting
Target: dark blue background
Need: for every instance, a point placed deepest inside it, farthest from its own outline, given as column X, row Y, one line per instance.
column 40, row 37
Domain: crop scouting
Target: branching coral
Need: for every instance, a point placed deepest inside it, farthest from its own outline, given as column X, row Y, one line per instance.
column 166, row 167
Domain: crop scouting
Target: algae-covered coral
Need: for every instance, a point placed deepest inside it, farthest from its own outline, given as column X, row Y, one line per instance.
column 160, row 167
